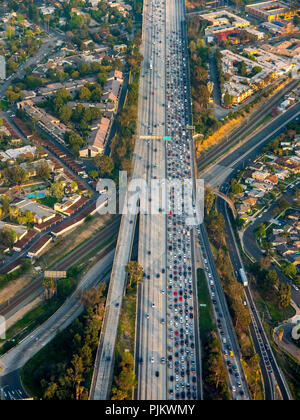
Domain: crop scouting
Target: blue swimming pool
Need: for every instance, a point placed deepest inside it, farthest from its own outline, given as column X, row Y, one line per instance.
column 37, row 195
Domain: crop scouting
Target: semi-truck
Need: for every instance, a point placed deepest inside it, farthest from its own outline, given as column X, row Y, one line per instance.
column 243, row 277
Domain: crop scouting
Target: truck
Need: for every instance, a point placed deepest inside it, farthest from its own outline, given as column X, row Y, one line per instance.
column 243, row 277
column 150, row 65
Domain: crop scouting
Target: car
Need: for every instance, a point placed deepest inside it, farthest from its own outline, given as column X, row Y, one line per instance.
column 152, row 359
column 157, row 373
column 147, row 316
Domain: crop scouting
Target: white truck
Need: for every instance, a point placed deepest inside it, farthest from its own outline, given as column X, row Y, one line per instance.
column 243, row 277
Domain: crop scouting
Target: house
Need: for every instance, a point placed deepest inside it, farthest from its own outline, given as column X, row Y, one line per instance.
column 258, row 166
column 243, row 208
column 272, row 180
column 114, row 87
column 260, row 175
column 256, row 193
column 285, row 250
column 251, row 201
column 22, row 243
column 278, row 240
column 115, row 75
column 66, row 203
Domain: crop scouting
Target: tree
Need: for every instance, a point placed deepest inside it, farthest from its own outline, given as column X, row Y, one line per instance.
column 93, row 174
column 260, row 231
column 290, row 270
column 57, row 190
column 283, row 204
column 15, row 175
column 105, row 164
column 8, row 237
column 228, row 99
column 284, row 295
column 236, row 188
column 84, row 94
column 50, row 287
column 43, row 170
column 272, row 278
column 135, row 273
column 209, row 200
column 265, row 262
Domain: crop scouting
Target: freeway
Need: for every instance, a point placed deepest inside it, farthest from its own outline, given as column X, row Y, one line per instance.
column 271, row 372
column 15, row 359
column 35, row 288
column 151, row 331
column 163, row 70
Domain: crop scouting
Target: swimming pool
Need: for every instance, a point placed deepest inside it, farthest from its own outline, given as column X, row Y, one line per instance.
column 37, row 195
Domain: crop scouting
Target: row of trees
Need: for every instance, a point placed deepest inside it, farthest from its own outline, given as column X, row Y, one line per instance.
column 269, row 284
column 123, row 143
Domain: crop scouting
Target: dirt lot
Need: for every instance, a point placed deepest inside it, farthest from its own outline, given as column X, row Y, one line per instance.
column 14, row 286
column 67, row 243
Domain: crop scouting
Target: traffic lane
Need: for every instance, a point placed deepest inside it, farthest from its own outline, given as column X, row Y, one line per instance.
column 12, row 390
column 269, row 394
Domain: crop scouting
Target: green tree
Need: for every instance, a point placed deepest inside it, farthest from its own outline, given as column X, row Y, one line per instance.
column 135, row 273
column 105, row 164
column 284, row 295
column 290, row 270
column 260, row 231
column 57, row 190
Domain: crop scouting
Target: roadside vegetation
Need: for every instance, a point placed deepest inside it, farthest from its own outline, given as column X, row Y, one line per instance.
column 62, row 370
column 124, row 374
column 234, row 294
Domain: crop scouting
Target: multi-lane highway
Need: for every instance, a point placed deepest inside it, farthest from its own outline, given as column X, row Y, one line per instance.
column 151, row 325
column 167, row 350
